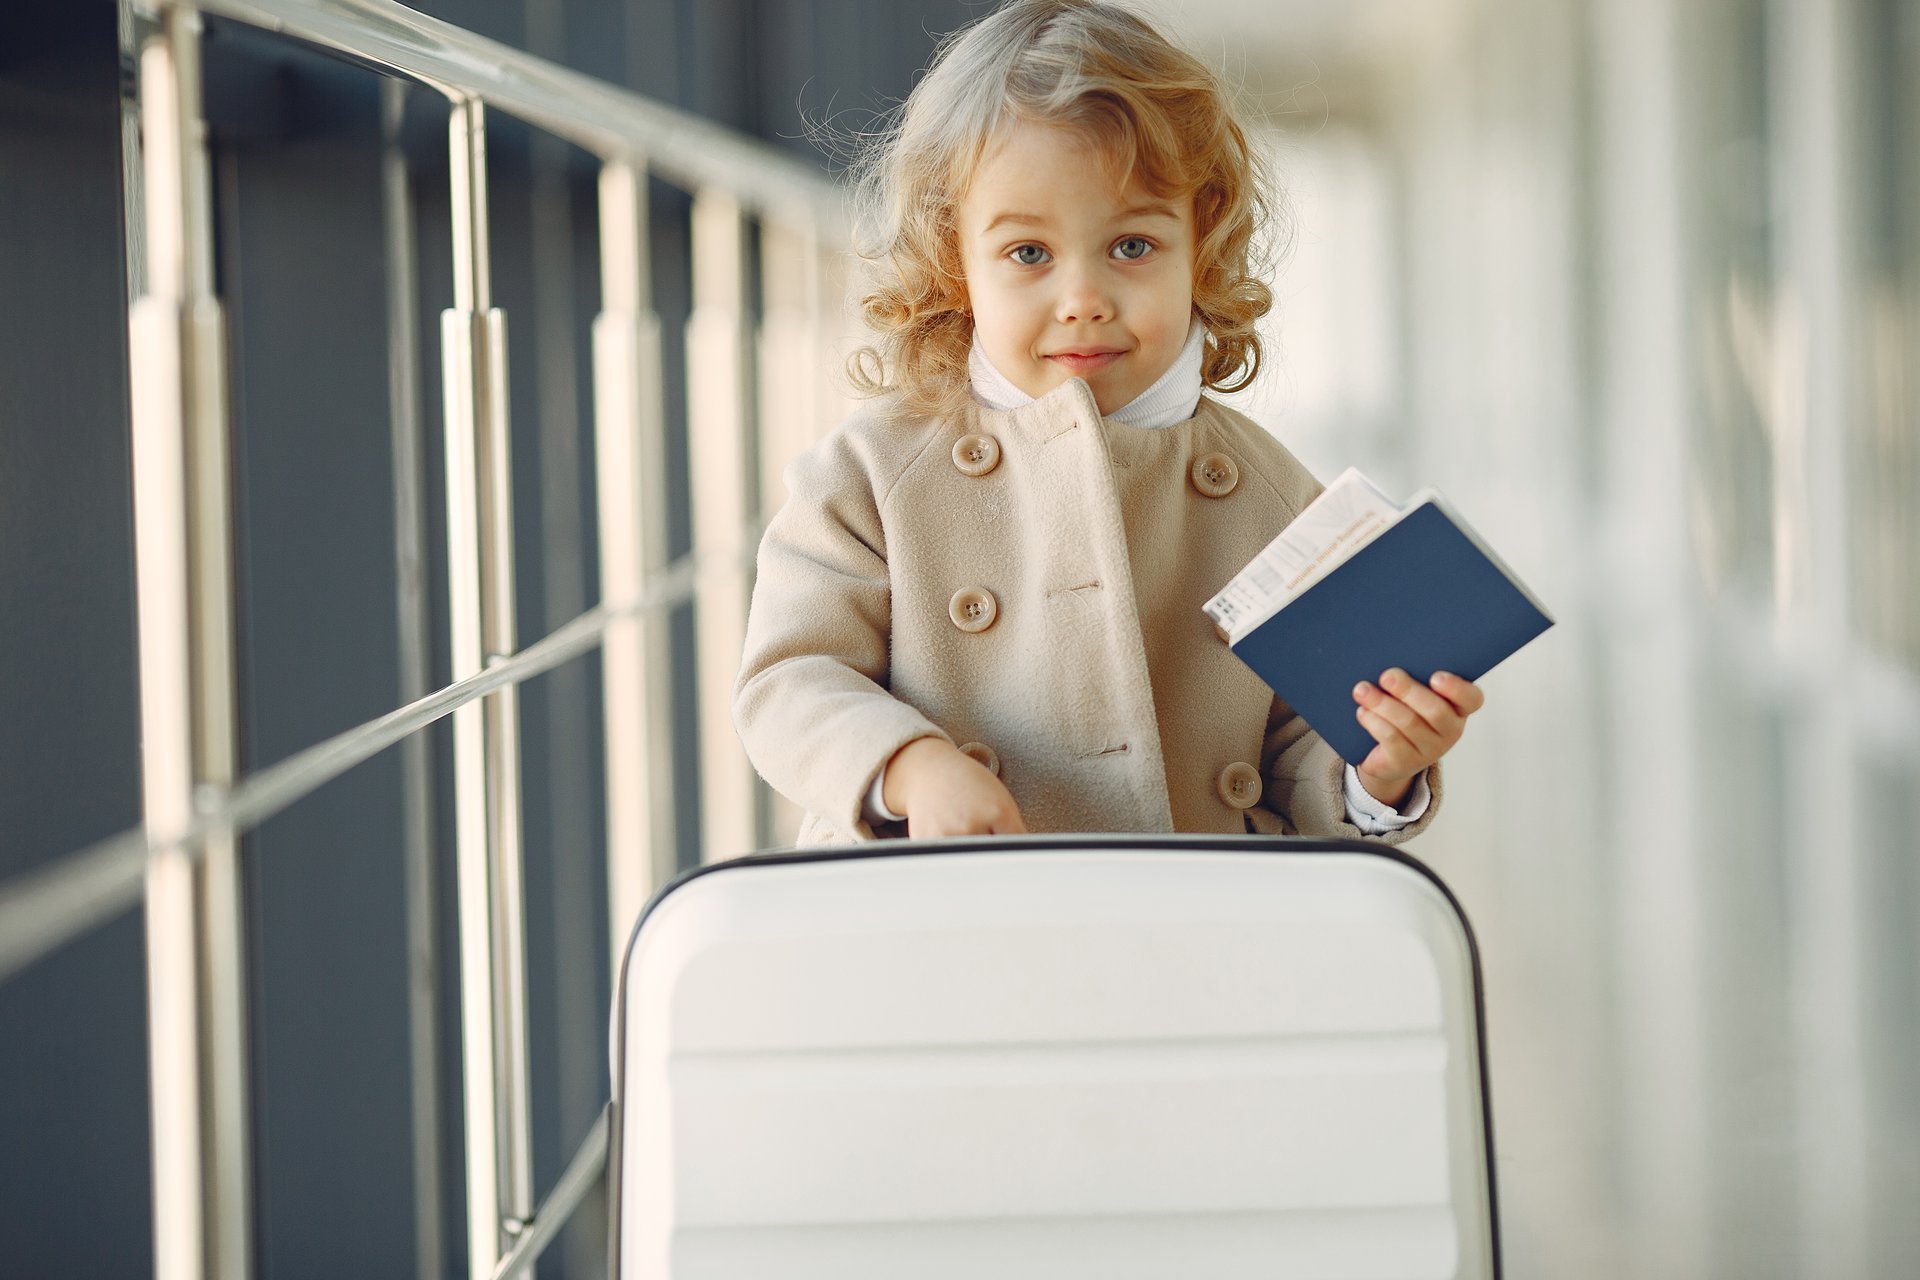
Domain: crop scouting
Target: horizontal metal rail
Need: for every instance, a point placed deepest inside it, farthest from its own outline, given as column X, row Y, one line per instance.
column 582, row 1173
column 42, row 909
column 610, row 122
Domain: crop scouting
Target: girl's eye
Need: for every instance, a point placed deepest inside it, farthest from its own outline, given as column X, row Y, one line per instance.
column 1133, row 247
column 1028, row 255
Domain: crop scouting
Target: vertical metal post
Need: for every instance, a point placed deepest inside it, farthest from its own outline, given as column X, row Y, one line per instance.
column 830, row 286
column 160, row 554
column 790, row 279
column 216, row 755
column 195, row 933
column 630, row 441
column 134, row 28
column 827, row 299
column 416, row 761
column 198, row 1063
column 487, row 734
column 719, row 452
column 784, row 356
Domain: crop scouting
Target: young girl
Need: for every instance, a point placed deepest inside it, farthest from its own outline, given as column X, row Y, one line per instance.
column 980, row 609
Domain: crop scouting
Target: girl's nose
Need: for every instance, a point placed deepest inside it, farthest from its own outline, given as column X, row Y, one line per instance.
column 1083, row 299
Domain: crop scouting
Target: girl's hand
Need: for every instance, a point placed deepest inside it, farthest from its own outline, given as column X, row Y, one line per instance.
column 1414, row 724
column 945, row 793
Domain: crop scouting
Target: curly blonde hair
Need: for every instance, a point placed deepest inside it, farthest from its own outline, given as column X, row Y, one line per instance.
column 1156, row 113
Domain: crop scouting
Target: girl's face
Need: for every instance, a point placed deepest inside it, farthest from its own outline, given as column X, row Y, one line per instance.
column 1069, row 277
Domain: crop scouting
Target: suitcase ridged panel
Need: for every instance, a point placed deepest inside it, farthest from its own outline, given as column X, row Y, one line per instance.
column 1053, row 1063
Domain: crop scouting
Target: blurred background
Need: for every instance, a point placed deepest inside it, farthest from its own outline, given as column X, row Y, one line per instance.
column 1636, row 283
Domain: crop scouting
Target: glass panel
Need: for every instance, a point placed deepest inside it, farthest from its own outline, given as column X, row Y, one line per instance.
column 1726, row 167
column 1886, row 445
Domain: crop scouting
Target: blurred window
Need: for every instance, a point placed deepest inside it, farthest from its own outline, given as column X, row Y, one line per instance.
column 1885, row 462
column 1726, row 158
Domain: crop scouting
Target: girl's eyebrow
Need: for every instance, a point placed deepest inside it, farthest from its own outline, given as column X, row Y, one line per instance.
column 1165, row 211
column 1031, row 219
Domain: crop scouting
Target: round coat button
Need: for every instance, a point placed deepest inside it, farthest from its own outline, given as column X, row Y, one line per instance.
column 973, row 609
column 976, row 455
column 984, row 754
column 1240, row 785
column 1215, row 475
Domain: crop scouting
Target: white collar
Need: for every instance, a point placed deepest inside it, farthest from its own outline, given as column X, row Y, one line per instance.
column 1172, row 398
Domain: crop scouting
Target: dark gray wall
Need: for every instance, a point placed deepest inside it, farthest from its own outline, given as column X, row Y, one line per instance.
column 297, row 146
column 73, row 1112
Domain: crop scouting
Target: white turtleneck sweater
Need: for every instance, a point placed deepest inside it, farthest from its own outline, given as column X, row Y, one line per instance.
column 1172, row 398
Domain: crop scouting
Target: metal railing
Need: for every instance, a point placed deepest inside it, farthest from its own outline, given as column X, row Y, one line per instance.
column 185, row 858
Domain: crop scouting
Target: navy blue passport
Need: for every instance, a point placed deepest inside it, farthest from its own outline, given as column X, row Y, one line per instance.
column 1422, row 596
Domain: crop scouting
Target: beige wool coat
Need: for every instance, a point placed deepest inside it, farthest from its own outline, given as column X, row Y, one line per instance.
column 1031, row 581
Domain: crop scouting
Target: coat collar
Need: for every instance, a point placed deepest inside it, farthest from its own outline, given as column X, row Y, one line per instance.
column 1170, row 400
column 1068, row 407
column 1071, row 407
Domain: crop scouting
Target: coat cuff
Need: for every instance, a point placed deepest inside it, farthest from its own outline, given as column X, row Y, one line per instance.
column 1376, row 818
column 867, row 810
column 1314, row 799
column 876, row 811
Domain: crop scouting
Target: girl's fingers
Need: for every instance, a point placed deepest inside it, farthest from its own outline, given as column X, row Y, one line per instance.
column 1379, row 762
column 1425, row 738
column 1465, row 695
column 1399, row 752
column 1436, row 711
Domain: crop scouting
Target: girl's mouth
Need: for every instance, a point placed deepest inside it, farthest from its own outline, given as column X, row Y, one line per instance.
column 1084, row 361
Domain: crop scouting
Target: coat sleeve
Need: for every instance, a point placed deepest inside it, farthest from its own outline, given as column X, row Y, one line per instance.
column 1305, row 783
column 811, row 703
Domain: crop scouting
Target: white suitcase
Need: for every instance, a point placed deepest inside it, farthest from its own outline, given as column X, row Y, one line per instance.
column 1061, row 1057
